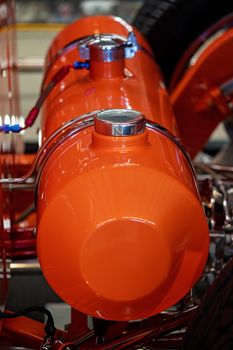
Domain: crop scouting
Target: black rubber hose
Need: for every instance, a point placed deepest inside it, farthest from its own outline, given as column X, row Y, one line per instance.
column 49, row 327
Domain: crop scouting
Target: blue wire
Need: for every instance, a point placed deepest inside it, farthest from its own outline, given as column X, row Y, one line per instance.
column 81, row 65
column 10, row 128
column 16, row 127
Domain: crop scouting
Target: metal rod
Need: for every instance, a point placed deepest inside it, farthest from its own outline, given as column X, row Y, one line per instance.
column 25, row 266
column 219, row 167
column 154, row 330
column 25, row 65
column 227, row 87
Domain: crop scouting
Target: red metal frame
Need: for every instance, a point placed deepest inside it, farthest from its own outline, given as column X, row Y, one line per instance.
column 196, row 89
column 120, row 335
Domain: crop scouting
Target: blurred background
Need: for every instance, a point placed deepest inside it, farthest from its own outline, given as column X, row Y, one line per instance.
column 49, row 11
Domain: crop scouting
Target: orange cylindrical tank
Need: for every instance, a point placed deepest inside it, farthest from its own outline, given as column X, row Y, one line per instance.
column 121, row 231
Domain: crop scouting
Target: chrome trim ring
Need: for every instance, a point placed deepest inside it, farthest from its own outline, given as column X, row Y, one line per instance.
column 119, row 122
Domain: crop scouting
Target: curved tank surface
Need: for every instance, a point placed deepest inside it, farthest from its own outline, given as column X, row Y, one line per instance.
column 121, row 230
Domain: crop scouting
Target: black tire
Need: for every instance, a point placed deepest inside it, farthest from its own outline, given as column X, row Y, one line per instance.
column 172, row 25
column 212, row 325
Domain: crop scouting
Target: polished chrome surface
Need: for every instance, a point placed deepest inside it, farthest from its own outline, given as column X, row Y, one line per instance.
column 215, row 183
column 119, row 122
column 131, row 46
column 30, row 65
column 103, row 48
column 108, row 47
column 24, row 266
column 23, row 65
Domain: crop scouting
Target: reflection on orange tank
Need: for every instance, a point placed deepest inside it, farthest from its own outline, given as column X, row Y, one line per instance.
column 139, row 87
column 122, row 234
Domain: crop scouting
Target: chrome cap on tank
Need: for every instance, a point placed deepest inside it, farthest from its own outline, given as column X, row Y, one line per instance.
column 108, row 47
column 119, row 122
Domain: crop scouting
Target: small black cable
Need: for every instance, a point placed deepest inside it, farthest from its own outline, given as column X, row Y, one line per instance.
column 49, row 327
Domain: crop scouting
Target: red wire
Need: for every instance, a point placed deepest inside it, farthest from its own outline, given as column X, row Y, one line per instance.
column 56, row 79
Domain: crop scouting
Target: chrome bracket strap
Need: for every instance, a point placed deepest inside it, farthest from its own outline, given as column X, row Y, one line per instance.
column 70, row 130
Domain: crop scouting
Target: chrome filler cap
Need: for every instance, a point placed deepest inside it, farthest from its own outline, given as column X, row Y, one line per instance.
column 119, row 122
column 108, row 47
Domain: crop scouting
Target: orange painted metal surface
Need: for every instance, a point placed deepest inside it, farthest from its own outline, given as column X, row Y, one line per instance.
column 198, row 103
column 78, row 94
column 117, row 234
